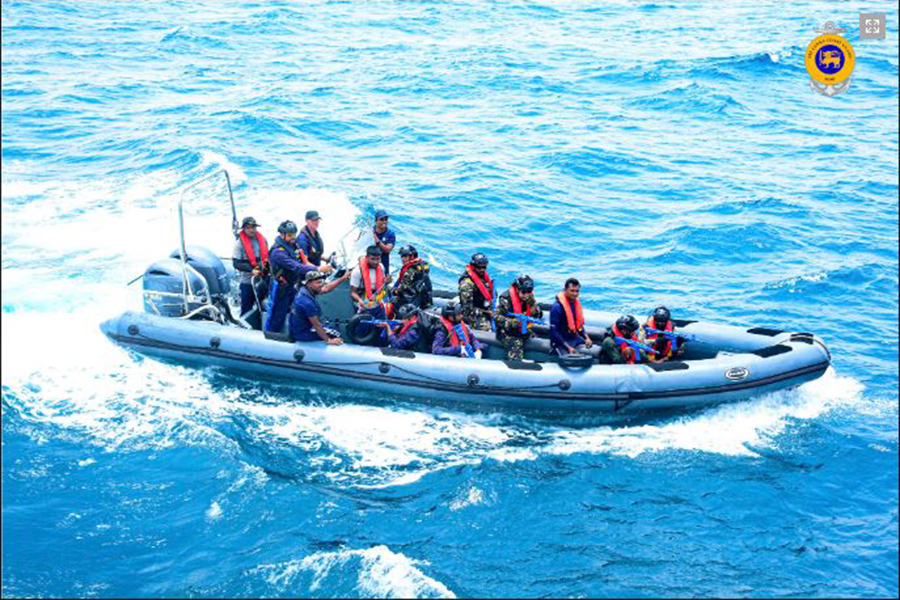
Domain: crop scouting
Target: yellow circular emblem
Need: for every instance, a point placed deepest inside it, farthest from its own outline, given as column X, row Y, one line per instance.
column 830, row 59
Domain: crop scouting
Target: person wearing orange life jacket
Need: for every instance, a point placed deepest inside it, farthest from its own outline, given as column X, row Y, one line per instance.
column 453, row 337
column 567, row 333
column 614, row 353
column 476, row 294
column 408, row 335
column 368, row 280
column 251, row 258
column 661, row 319
column 517, row 300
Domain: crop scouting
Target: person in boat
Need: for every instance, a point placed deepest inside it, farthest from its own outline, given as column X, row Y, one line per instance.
column 517, row 300
column 310, row 241
column 384, row 238
column 613, row 352
column 251, row 258
column 413, row 282
column 305, row 321
column 407, row 335
column 288, row 265
column 567, row 333
column 453, row 337
column 661, row 320
column 367, row 285
column 476, row 294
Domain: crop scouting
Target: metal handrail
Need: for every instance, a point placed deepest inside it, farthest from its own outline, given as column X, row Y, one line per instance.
column 185, row 282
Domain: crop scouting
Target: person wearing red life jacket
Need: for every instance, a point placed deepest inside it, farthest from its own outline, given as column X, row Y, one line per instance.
column 661, row 320
column 612, row 352
column 476, row 294
column 452, row 337
column 515, row 331
column 567, row 333
column 408, row 335
column 413, row 281
column 251, row 258
column 368, row 281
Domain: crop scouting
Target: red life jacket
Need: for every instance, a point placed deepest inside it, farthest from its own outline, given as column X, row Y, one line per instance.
column 404, row 268
column 576, row 321
column 633, row 336
column 486, row 287
column 666, row 350
column 516, row 303
column 408, row 324
column 454, row 339
column 248, row 249
column 367, row 278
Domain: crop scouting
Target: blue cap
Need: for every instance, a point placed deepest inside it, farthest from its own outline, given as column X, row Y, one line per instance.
column 380, row 214
column 312, row 214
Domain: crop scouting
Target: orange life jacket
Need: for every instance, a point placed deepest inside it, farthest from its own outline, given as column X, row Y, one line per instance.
column 576, row 321
column 367, row 278
column 454, row 339
column 408, row 324
column 517, row 303
column 486, row 287
column 633, row 336
column 666, row 350
column 404, row 268
column 248, row 249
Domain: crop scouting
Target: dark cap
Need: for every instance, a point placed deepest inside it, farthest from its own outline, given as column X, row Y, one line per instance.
column 380, row 214
column 373, row 251
column 248, row 221
column 313, row 276
column 312, row 214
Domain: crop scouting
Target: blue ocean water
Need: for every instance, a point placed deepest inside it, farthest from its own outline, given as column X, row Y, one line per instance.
column 662, row 152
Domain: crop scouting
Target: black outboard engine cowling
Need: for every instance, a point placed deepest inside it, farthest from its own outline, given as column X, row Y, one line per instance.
column 210, row 266
column 164, row 286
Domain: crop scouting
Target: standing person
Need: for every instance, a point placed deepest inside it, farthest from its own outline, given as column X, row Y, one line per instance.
column 384, row 238
column 305, row 323
column 517, row 300
column 309, row 239
column 368, row 281
column 567, row 334
column 413, row 281
column 251, row 258
column 289, row 265
column 476, row 294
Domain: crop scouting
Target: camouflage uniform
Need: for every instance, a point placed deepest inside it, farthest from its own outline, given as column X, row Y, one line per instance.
column 414, row 287
column 472, row 315
column 509, row 328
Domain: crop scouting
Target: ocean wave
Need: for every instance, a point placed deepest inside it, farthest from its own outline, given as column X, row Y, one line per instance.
column 375, row 572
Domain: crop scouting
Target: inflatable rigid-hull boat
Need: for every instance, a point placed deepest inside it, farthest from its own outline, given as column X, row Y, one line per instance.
column 722, row 364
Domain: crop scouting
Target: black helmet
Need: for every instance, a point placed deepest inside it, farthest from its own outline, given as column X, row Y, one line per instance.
column 451, row 309
column 408, row 249
column 479, row 260
column 661, row 316
column 406, row 311
column 287, row 227
column 627, row 324
column 524, row 283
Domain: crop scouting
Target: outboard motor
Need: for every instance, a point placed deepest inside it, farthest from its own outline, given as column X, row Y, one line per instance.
column 210, row 266
column 163, row 289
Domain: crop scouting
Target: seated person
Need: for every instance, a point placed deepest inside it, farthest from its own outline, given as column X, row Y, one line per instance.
column 476, row 294
column 661, row 320
column 517, row 300
column 406, row 336
column 567, row 334
column 614, row 352
column 368, row 282
column 453, row 337
column 304, row 321
column 413, row 282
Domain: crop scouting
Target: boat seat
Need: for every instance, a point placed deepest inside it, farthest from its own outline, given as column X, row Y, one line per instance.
column 535, row 344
